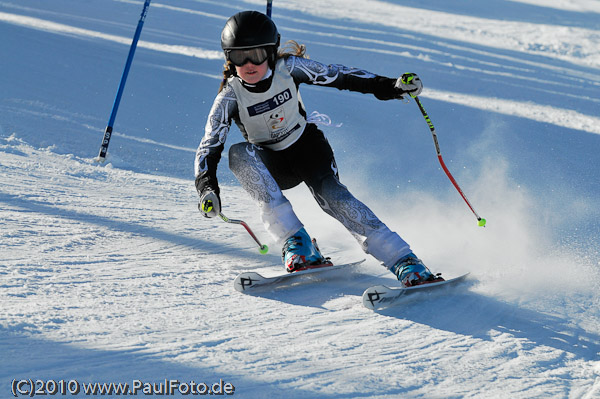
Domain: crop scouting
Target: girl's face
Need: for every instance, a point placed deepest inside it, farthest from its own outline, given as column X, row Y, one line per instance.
column 251, row 73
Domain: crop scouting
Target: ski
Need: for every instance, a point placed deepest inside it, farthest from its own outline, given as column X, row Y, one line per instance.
column 248, row 281
column 381, row 296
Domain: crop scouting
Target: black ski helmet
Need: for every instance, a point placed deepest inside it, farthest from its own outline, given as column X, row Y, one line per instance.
column 248, row 29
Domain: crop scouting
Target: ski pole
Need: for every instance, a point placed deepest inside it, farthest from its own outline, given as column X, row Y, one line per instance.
column 480, row 221
column 263, row 249
column 269, row 7
column 113, row 114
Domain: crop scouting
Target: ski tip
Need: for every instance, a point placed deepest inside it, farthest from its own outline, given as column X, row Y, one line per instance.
column 373, row 296
column 247, row 280
column 380, row 296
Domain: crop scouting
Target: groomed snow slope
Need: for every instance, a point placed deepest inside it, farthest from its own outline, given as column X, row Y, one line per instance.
column 109, row 274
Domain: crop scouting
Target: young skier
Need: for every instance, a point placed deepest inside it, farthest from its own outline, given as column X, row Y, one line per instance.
column 260, row 94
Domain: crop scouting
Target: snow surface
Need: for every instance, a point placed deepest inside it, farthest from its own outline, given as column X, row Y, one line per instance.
column 109, row 274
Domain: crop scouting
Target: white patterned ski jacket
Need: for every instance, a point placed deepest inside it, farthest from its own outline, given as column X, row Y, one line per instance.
column 226, row 107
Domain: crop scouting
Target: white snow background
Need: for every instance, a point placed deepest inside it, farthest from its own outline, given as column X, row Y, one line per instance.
column 109, row 273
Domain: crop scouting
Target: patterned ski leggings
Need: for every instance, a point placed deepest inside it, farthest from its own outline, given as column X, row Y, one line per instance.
column 264, row 173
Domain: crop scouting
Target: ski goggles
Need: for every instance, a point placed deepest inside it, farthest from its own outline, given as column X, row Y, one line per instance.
column 256, row 56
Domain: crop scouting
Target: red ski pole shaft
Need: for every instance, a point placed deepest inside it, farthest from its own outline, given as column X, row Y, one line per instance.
column 263, row 249
column 480, row 220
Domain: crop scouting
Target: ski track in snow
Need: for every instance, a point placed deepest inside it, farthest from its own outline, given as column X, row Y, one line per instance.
column 113, row 275
column 109, row 274
column 569, row 43
column 561, row 117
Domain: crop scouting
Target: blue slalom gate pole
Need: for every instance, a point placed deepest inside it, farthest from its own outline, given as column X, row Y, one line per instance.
column 269, row 7
column 113, row 114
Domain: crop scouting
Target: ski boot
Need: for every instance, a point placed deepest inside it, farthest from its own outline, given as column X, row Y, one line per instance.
column 411, row 271
column 299, row 252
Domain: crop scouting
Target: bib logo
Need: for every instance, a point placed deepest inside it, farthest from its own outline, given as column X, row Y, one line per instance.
column 276, row 121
